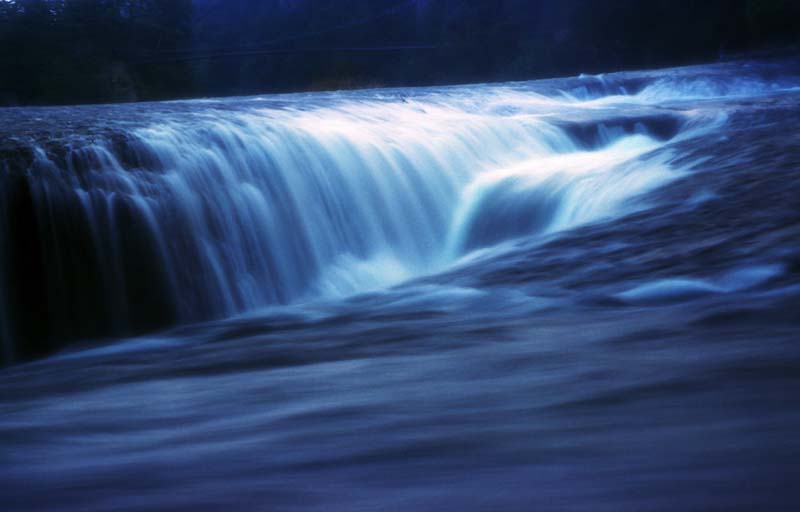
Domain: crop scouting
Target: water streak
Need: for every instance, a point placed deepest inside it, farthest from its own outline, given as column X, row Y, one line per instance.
column 207, row 209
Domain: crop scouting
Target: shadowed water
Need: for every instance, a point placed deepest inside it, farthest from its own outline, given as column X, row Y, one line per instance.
column 574, row 294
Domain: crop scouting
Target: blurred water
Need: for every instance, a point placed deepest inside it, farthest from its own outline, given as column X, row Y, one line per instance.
column 575, row 294
column 231, row 205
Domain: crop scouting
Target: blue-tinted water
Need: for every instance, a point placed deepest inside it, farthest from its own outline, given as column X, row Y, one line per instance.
column 575, row 294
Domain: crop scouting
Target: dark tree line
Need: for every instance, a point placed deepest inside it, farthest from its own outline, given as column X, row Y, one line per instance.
column 57, row 51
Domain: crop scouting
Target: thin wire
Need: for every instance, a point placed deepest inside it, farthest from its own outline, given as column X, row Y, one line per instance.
column 255, row 53
column 395, row 9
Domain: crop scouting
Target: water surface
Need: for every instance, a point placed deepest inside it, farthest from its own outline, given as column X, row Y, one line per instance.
column 574, row 294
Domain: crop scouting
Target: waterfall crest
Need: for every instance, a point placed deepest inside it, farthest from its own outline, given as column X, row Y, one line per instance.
column 176, row 212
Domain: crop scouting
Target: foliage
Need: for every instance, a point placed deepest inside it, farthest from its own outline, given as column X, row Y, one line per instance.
column 57, row 51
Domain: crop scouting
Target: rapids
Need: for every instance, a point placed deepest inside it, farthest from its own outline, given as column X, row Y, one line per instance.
column 568, row 294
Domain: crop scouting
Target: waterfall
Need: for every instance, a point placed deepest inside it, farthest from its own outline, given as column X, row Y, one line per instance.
column 176, row 212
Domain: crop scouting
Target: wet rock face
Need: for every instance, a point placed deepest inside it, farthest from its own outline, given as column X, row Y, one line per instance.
column 24, row 296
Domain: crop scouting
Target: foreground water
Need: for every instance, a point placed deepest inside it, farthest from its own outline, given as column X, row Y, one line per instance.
column 575, row 294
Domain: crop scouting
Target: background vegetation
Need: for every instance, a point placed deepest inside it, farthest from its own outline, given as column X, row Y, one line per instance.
column 72, row 51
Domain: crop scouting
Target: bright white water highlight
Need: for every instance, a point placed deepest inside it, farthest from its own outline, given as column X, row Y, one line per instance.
column 281, row 205
column 212, row 208
column 555, row 192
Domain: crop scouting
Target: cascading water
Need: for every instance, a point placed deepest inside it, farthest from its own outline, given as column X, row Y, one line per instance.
column 572, row 294
column 195, row 210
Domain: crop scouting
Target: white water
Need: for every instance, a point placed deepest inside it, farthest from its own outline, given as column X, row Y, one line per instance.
column 266, row 205
column 212, row 208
